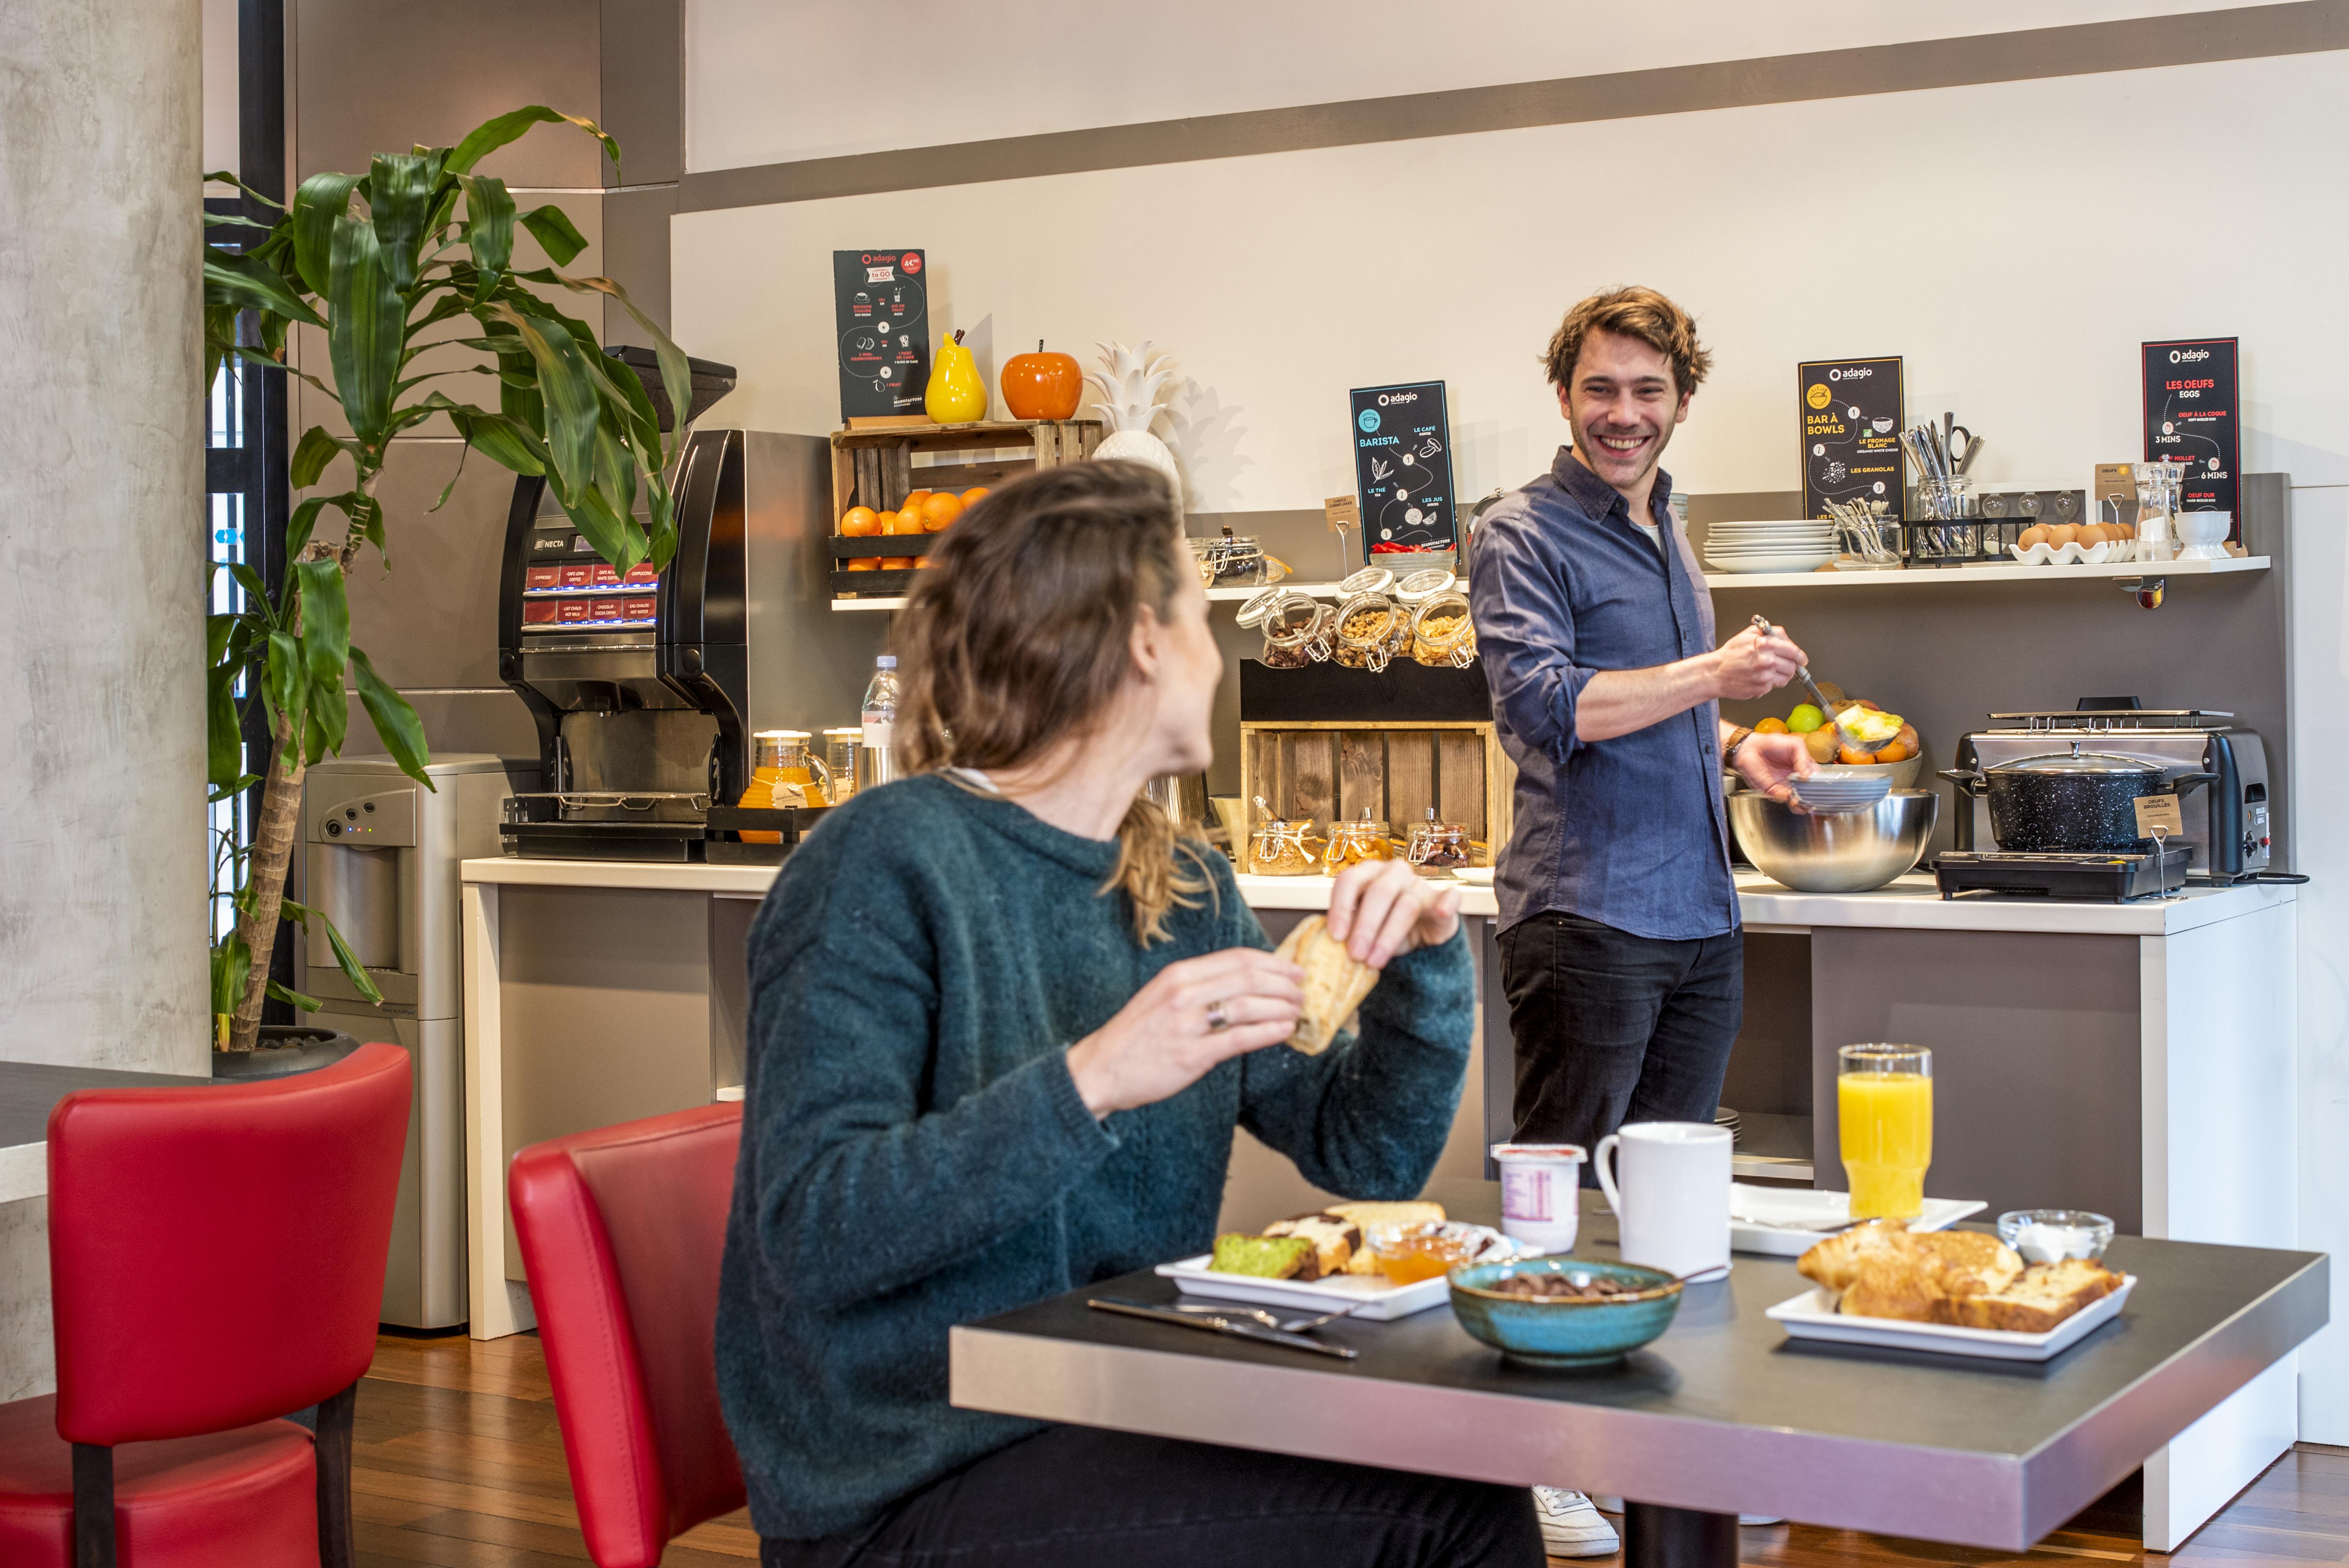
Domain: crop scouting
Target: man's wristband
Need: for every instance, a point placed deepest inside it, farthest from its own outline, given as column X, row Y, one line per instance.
column 1737, row 737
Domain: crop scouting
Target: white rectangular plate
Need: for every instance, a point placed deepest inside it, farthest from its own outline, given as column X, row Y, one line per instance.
column 1800, row 1206
column 1812, row 1316
column 1382, row 1301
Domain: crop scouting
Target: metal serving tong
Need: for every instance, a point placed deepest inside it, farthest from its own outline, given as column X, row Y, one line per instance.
column 1761, row 624
column 1241, row 1322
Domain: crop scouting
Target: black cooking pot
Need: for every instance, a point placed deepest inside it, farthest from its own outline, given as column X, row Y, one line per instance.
column 2077, row 801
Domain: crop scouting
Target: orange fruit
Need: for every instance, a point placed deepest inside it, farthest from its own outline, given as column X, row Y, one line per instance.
column 925, row 561
column 1771, row 727
column 1891, row 751
column 970, row 497
column 913, row 502
column 865, row 563
column 885, row 522
column 939, row 510
column 897, row 563
column 1852, row 753
column 859, row 521
column 906, row 521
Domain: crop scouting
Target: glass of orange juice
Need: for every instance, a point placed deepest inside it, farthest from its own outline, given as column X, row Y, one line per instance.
column 1884, row 1106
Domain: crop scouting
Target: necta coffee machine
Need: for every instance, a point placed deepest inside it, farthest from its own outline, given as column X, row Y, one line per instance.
column 647, row 685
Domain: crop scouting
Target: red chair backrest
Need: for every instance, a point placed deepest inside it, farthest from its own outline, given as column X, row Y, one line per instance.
column 217, row 1252
column 621, row 1230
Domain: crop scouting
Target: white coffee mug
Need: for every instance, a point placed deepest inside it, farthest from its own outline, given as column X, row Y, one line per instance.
column 1673, row 1201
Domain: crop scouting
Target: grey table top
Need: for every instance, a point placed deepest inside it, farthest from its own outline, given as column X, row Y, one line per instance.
column 1723, row 1413
column 30, row 1090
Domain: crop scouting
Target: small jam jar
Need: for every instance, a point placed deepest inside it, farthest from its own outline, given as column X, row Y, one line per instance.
column 1351, row 843
column 1437, row 849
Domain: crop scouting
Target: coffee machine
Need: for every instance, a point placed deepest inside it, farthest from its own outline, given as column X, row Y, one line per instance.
column 647, row 686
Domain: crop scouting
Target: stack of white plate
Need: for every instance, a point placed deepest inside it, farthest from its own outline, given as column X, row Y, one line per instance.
column 1769, row 546
column 1825, row 794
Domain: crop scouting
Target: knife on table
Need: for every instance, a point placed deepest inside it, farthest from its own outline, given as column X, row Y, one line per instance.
column 1237, row 1327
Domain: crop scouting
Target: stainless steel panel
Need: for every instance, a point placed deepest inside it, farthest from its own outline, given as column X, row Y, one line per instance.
column 667, row 751
column 809, row 666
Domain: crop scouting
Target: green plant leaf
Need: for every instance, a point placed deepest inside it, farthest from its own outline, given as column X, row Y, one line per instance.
column 552, row 227
column 256, row 594
column 232, row 963
column 284, row 682
column 368, row 329
column 326, row 621
column 318, row 202
column 614, row 536
column 344, row 959
column 395, row 721
column 573, row 403
column 223, row 177
column 488, row 230
column 500, row 439
column 311, row 455
column 288, row 994
column 241, row 279
column 492, row 134
column 224, row 743
column 399, row 188
column 677, row 375
column 234, row 221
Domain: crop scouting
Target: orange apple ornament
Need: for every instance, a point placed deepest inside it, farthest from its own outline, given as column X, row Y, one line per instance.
column 1041, row 386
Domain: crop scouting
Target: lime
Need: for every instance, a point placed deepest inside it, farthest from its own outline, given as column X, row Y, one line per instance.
column 1805, row 718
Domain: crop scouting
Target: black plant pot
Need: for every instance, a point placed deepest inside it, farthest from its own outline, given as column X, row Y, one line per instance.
column 286, row 1049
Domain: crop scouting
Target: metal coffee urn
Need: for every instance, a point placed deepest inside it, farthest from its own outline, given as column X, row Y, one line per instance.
column 379, row 860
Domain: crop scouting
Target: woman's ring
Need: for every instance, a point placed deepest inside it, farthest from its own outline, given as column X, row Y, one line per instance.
column 1216, row 1022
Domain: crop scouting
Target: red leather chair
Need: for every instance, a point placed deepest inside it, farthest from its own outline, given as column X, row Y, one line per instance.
column 621, row 1231
column 216, row 1259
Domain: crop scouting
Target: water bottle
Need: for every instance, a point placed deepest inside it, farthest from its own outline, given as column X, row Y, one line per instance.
column 881, row 721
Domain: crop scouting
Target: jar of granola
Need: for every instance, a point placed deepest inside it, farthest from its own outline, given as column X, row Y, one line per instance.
column 1441, row 633
column 1278, row 848
column 1367, row 627
column 1295, row 631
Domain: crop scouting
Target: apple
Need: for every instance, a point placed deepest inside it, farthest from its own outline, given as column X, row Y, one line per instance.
column 1041, row 386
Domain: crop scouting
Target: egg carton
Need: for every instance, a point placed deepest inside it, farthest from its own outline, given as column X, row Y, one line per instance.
column 2112, row 549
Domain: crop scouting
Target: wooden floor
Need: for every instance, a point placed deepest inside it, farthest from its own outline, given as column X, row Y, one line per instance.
column 461, row 1466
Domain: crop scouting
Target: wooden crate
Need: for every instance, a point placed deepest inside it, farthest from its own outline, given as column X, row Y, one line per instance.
column 876, row 468
column 1330, row 769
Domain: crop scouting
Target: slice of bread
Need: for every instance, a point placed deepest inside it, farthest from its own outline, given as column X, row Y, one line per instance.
column 1970, row 1263
column 1377, row 1219
column 2042, row 1296
column 1265, row 1257
column 1335, row 1240
column 1335, row 984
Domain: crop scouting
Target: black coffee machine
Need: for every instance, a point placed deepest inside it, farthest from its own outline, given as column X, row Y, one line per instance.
column 647, row 685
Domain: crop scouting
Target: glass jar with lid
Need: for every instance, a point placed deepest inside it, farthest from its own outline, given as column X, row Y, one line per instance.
column 1296, row 632
column 1369, row 627
column 1231, row 561
column 1369, row 580
column 1438, row 849
column 785, row 771
column 1280, row 847
column 1441, row 631
column 1416, row 588
column 1351, row 842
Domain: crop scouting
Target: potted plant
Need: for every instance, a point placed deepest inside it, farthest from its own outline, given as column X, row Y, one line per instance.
column 378, row 262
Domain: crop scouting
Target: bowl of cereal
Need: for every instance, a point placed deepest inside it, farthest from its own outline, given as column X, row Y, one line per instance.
column 1564, row 1312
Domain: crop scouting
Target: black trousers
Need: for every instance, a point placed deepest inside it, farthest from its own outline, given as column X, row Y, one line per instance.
column 1612, row 1027
column 1075, row 1497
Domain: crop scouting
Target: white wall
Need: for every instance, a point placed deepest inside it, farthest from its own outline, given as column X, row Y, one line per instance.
column 768, row 83
column 1281, row 281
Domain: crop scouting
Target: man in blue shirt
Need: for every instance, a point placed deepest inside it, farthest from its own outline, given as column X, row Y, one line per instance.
column 1619, row 942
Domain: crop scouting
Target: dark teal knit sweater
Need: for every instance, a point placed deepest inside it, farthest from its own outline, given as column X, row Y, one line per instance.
column 914, row 1153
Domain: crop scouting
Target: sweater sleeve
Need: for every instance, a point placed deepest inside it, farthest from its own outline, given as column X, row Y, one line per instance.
column 860, row 1188
column 1368, row 1118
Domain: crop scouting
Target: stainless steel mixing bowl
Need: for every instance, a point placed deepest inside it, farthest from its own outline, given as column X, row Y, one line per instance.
column 1838, row 851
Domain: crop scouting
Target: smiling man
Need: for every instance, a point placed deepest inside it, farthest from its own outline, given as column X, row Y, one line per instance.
column 1619, row 940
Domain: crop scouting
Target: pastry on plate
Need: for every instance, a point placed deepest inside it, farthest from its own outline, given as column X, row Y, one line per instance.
column 1335, row 1240
column 2039, row 1299
column 1376, row 1220
column 1335, row 982
column 1266, row 1257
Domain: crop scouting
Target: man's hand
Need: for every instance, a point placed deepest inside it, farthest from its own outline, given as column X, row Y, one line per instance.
column 1750, row 665
column 1771, row 762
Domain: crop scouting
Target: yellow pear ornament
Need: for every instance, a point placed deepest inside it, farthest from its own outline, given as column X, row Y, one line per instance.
column 956, row 394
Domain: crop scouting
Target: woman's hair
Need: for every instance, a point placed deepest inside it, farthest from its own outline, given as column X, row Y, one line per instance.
column 1019, row 639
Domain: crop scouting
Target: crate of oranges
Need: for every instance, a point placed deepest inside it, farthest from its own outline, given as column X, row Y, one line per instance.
column 894, row 491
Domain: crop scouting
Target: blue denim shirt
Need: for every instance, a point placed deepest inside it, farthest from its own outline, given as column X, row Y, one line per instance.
column 1628, row 833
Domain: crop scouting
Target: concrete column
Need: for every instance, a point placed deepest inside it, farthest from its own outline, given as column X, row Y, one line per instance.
column 102, row 838
column 103, row 857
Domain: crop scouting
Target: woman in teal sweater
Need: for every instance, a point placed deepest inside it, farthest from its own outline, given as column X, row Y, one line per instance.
column 1004, row 1019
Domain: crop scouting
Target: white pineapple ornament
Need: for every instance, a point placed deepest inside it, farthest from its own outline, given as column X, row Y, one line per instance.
column 1131, row 380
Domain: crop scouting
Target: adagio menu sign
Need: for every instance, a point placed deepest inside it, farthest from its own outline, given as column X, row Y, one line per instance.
column 1849, row 415
column 2192, row 393
column 881, row 307
column 1402, row 468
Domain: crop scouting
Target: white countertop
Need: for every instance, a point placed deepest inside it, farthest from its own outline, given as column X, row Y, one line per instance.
column 1910, row 903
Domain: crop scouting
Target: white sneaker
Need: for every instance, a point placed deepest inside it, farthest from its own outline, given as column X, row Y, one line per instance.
column 1607, row 1502
column 1570, row 1527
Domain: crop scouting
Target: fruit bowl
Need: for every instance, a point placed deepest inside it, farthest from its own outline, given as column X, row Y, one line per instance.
column 1549, row 1332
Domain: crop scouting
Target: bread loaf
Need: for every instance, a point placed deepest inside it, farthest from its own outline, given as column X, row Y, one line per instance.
column 1335, row 982
column 2042, row 1296
column 1883, row 1269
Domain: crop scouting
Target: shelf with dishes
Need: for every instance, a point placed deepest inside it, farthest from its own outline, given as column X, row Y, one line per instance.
column 1828, row 576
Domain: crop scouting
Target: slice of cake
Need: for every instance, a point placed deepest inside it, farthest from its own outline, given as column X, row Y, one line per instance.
column 1266, row 1257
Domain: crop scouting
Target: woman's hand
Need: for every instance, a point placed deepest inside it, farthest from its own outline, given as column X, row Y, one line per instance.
column 1381, row 909
column 1192, row 1016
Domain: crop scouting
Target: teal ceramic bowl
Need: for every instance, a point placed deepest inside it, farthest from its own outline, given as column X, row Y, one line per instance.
column 1545, row 1332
